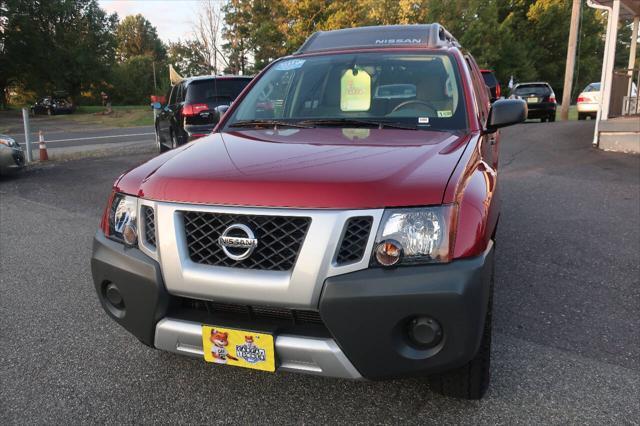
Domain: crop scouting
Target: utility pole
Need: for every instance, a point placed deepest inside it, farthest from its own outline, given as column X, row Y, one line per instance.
column 155, row 84
column 571, row 60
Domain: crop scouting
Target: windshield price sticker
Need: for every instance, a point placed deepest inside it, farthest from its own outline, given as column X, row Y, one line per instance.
column 355, row 91
column 291, row 64
column 423, row 120
column 445, row 114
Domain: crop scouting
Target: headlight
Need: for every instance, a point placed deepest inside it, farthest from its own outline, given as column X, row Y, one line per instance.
column 415, row 235
column 123, row 219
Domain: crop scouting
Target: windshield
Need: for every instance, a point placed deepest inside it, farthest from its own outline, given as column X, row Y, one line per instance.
column 533, row 89
column 215, row 89
column 414, row 91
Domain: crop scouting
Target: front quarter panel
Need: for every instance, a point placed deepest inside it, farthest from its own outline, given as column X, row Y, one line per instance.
column 474, row 188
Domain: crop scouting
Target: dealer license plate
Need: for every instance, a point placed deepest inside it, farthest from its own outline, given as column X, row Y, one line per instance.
column 532, row 100
column 239, row 348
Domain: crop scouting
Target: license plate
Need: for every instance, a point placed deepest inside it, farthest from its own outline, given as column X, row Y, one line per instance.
column 239, row 348
column 532, row 100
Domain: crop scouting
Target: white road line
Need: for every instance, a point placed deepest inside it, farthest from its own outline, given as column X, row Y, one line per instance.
column 93, row 137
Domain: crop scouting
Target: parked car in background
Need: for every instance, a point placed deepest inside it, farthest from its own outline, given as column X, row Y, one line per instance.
column 343, row 213
column 540, row 99
column 52, row 105
column 588, row 101
column 194, row 107
column 492, row 83
column 11, row 155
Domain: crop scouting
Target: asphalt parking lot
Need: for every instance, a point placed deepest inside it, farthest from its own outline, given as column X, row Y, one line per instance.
column 567, row 309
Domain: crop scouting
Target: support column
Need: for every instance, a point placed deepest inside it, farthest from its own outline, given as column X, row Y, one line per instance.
column 607, row 82
column 632, row 52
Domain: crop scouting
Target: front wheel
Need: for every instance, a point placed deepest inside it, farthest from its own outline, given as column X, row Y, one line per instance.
column 470, row 381
column 582, row 116
column 552, row 118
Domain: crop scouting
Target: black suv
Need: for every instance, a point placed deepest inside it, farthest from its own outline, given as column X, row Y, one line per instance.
column 194, row 107
column 539, row 98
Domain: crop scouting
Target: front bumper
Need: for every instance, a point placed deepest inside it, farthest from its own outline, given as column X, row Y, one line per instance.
column 365, row 314
column 11, row 160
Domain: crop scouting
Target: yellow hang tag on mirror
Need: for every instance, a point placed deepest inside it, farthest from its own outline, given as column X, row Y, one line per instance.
column 355, row 91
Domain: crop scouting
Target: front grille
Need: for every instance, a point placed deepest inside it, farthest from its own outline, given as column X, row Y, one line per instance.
column 279, row 238
column 149, row 225
column 250, row 313
column 355, row 239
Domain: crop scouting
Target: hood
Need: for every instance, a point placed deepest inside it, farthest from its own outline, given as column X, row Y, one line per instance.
column 304, row 168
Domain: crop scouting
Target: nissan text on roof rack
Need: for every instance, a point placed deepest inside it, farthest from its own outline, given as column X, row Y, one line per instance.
column 339, row 221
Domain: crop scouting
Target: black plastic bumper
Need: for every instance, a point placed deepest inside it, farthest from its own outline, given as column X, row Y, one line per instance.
column 139, row 281
column 368, row 313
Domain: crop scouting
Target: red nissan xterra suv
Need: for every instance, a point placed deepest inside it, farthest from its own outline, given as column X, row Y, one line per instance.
column 339, row 221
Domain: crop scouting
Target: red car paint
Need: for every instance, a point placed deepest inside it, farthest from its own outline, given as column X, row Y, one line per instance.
column 331, row 168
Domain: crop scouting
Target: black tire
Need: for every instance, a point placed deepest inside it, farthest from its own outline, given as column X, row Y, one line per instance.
column 174, row 140
column 543, row 119
column 470, row 381
column 552, row 118
column 161, row 147
column 582, row 116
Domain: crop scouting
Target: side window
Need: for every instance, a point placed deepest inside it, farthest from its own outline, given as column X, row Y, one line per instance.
column 480, row 89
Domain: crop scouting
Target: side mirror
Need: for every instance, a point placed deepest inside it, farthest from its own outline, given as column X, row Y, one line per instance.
column 156, row 105
column 221, row 109
column 506, row 112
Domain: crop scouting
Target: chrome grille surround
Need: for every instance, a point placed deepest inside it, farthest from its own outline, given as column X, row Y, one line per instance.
column 299, row 287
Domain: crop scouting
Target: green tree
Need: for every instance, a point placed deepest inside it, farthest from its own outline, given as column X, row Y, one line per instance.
column 136, row 36
column 132, row 80
column 188, row 58
column 57, row 45
column 237, row 33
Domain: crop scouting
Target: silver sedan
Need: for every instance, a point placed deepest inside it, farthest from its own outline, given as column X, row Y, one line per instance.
column 11, row 155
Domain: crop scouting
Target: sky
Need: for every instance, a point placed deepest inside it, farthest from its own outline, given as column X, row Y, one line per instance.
column 172, row 18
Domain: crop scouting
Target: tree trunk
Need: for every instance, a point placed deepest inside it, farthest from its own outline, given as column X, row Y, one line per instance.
column 3, row 96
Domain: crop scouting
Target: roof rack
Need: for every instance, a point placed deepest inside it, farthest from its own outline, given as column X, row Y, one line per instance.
column 420, row 35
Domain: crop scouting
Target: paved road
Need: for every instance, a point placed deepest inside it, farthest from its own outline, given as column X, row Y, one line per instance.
column 61, row 133
column 90, row 136
column 567, row 310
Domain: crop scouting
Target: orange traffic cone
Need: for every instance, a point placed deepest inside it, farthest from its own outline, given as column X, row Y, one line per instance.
column 44, row 156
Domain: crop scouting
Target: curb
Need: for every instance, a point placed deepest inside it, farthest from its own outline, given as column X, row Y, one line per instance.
column 94, row 151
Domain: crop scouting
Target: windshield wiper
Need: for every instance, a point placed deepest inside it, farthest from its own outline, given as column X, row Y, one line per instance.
column 269, row 123
column 359, row 122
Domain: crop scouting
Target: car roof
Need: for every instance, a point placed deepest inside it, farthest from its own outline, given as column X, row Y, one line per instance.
column 217, row 77
column 388, row 36
column 531, row 83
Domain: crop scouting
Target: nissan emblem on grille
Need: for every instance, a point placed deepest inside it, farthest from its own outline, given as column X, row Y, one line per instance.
column 238, row 236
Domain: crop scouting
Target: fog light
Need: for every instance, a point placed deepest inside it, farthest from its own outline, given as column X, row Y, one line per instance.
column 113, row 295
column 129, row 234
column 388, row 252
column 425, row 332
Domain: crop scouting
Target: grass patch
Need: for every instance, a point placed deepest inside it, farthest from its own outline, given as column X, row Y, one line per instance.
column 573, row 113
column 122, row 116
